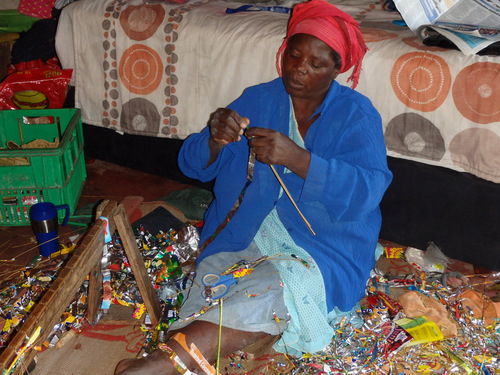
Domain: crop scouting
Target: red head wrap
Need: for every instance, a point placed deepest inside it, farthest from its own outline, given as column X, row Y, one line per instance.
column 334, row 27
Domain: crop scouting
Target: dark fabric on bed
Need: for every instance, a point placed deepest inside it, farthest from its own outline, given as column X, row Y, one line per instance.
column 439, row 40
column 36, row 43
column 457, row 211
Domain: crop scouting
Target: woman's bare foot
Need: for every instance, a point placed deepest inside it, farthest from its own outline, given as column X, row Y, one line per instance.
column 202, row 334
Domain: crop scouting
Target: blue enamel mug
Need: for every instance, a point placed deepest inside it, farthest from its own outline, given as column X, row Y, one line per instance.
column 44, row 222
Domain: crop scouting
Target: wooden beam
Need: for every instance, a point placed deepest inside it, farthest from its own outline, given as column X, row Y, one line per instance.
column 94, row 297
column 136, row 261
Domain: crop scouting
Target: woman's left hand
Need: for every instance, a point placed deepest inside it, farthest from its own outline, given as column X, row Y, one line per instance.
column 273, row 147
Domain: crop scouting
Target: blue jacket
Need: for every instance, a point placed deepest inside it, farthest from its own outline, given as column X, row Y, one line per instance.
column 340, row 196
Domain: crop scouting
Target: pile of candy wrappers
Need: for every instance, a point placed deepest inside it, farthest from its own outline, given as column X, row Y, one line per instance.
column 409, row 324
column 21, row 289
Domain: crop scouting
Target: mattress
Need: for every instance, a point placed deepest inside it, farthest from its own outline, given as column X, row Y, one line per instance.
column 159, row 68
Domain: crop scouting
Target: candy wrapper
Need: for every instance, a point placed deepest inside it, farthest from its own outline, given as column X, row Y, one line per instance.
column 393, row 252
column 421, row 329
column 432, row 260
column 187, row 243
column 395, row 337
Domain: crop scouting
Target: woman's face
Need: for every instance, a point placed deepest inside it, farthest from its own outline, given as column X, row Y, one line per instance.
column 308, row 67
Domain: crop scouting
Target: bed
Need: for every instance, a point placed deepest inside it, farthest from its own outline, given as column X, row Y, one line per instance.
column 147, row 73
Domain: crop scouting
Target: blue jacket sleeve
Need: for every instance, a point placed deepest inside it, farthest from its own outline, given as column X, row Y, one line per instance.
column 194, row 155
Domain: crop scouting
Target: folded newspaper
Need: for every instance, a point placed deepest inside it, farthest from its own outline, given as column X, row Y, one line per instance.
column 471, row 25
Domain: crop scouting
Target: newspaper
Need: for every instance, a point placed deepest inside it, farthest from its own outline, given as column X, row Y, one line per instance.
column 471, row 25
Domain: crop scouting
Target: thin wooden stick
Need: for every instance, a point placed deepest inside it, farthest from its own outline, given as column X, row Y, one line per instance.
column 290, row 196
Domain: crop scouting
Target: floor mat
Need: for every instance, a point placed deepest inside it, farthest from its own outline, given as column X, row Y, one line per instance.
column 95, row 350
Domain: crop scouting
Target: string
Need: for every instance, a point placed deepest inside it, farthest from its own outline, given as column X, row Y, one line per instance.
column 277, row 321
column 219, row 339
column 8, row 274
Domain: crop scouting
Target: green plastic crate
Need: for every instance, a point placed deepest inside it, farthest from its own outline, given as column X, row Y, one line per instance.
column 32, row 175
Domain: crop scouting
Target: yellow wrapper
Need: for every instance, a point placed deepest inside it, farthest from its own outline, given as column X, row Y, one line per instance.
column 393, row 252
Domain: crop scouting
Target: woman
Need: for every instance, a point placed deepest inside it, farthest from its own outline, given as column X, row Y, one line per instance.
column 316, row 226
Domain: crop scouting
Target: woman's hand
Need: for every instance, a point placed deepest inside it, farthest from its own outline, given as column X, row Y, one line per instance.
column 226, row 126
column 273, row 147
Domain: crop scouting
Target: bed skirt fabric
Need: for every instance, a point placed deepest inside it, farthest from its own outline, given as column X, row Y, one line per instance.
column 459, row 212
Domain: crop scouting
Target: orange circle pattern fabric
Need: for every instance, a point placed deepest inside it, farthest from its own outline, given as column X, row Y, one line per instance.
column 476, row 92
column 141, row 22
column 441, row 107
column 140, row 69
column 476, row 147
column 421, row 81
column 139, row 65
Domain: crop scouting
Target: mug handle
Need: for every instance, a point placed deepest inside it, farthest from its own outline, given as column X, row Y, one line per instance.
column 66, row 217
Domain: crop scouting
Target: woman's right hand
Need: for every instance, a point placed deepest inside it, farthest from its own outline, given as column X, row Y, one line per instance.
column 226, row 126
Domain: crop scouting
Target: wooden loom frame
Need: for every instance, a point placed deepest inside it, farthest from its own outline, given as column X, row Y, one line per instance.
column 85, row 261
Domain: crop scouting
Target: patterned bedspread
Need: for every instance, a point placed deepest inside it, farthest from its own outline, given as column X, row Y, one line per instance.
column 159, row 68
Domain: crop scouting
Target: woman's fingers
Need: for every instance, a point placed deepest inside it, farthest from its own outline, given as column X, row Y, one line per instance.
column 270, row 146
column 227, row 126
